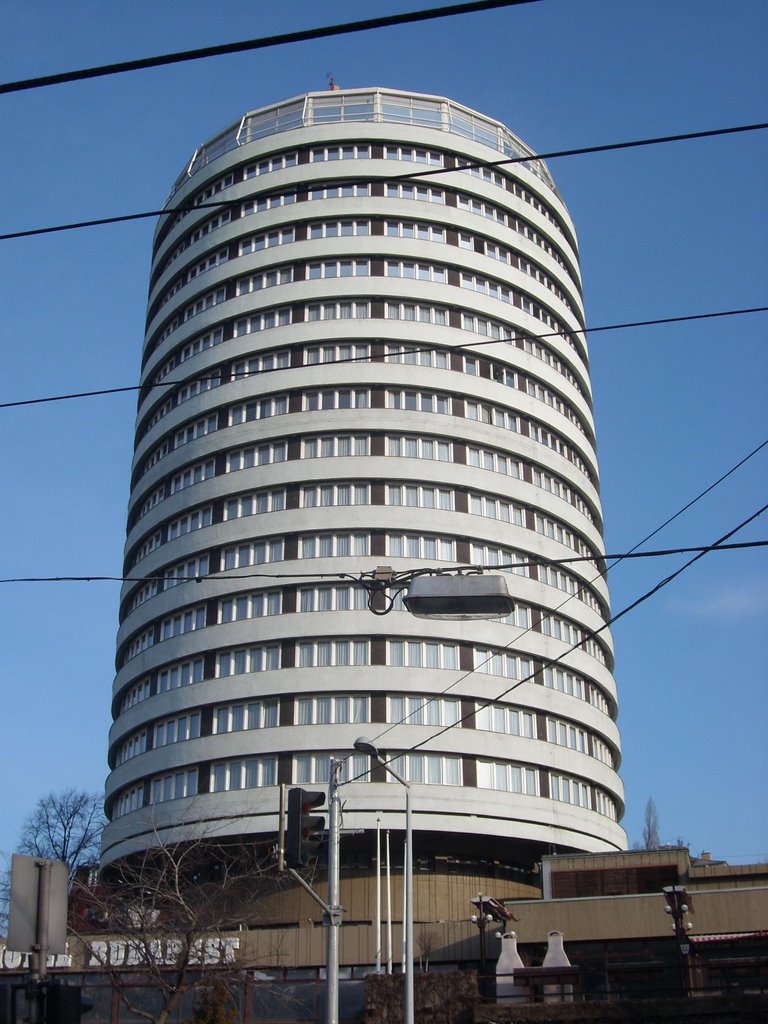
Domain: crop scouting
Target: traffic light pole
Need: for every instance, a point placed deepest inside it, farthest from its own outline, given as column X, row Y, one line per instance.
column 334, row 914
column 294, row 829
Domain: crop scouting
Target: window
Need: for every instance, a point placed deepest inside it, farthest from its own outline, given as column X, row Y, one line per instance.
column 342, row 398
column 565, row 682
column 348, row 152
column 250, row 606
column 347, row 191
column 137, row 693
column 132, row 747
column 330, row 710
column 570, row 791
column 248, row 659
column 262, row 363
column 182, row 674
column 316, row 768
column 318, row 496
column 496, row 508
column 338, row 311
column 494, row 329
column 417, row 496
column 250, row 773
column 417, row 313
column 419, row 156
column 419, row 401
column 193, row 475
column 140, row 643
column 267, row 240
column 207, row 301
column 494, row 461
column 340, row 597
column 336, row 353
column 258, row 714
column 340, row 445
column 414, row 545
column 422, row 654
column 506, row 559
column 502, row 718
column 565, row 734
column 197, row 520
column 262, row 203
column 149, row 545
column 254, row 553
column 259, row 455
column 414, row 355
column 129, row 800
column 184, row 622
column 330, row 545
column 428, row 769
column 411, row 447
column 265, row 279
column 486, row 286
column 187, row 351
column 501, row 663
column 263, row 321
column 177, row 729
column 174, row 787
column 258, row 409
column 423, row 193
column 511, row 778
column 408, row 710
column 339, row 228
column 604, row 804
column 254, row 504
column 195, row 569
column 326, row 653
column 411, row 229
column 338, row 268
column 415, row 271
column 274, row 163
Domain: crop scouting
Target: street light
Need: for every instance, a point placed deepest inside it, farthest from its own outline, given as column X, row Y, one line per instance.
column 679, row 904
column 366, row 746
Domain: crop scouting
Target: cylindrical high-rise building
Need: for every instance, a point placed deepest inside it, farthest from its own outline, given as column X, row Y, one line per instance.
column 363, row 348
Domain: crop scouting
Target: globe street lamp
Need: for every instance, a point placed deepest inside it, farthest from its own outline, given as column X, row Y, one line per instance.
column 366, row 746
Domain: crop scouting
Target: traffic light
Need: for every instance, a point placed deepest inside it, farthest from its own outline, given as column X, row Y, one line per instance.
column 301, row 828
column 64, row 1004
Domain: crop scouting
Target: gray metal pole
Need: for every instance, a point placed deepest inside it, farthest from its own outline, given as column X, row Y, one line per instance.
column 378, row 895
column 408, row 1017
column 38, row 961
column 334, row 923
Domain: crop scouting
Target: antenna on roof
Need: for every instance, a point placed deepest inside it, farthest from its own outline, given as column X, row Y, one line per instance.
column 331, row 82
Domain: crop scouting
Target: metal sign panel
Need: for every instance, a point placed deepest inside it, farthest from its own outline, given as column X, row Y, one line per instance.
column 24, row 913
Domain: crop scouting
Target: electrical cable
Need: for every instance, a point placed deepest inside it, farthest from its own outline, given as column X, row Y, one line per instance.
column 406, row 176
column 246, row 45
column 471, row 348
column 403, row 578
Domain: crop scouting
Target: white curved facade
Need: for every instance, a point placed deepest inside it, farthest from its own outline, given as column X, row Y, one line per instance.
column 347, row 367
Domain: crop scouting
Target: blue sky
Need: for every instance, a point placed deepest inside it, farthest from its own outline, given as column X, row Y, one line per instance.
column 665, row 231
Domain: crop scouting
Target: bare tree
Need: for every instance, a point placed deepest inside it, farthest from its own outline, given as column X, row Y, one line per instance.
column 160, row 923
column 651, row 839
column 426, row 944
column 65, row 826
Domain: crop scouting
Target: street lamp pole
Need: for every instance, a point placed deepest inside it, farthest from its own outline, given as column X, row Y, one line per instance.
column 366, row 746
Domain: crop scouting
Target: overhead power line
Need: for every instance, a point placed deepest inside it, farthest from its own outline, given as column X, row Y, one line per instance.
column 554, row 154
column 246, row 45
column 165, row 382
column 402, row 577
